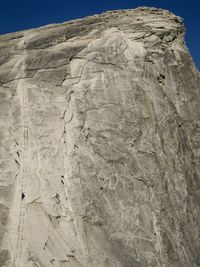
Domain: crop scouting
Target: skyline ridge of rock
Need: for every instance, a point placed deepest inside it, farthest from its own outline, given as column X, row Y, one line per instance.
column 100, row 144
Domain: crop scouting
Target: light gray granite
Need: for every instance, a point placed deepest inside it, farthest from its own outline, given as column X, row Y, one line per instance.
column 100, row 144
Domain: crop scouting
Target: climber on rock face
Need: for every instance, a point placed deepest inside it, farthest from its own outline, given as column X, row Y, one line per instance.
column 23, row 195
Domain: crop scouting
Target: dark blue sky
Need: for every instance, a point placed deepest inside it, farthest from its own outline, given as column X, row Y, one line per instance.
column 23, row 14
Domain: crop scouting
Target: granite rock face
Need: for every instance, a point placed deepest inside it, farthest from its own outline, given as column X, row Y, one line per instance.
column 100, row 144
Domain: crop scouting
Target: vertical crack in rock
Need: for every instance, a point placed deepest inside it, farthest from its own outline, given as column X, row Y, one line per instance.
column 22, row 178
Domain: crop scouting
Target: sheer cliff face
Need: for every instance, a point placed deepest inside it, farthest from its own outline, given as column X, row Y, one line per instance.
column 100, row 144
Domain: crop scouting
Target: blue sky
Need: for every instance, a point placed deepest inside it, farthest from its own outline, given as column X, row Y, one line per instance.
column 17, row 15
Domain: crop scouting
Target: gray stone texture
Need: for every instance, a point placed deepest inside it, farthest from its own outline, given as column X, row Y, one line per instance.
column 100, row 144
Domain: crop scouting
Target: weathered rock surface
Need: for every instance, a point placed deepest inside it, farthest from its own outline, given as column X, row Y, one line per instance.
column 100, row 144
